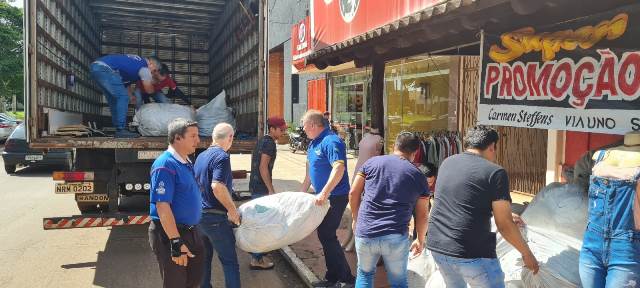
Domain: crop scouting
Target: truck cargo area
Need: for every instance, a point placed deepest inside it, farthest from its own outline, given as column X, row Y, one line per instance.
column 209, row 46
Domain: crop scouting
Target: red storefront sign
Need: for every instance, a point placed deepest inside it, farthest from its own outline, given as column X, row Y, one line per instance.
column 333, row 21
column 300, row 43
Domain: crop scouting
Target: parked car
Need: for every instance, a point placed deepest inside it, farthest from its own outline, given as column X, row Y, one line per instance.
column 6, row 128
column 17, row 153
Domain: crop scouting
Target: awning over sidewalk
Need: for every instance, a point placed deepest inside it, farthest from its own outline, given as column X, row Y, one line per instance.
column 449, row 24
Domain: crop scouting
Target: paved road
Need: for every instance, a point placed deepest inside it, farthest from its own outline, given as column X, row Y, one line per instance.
column 93, row 257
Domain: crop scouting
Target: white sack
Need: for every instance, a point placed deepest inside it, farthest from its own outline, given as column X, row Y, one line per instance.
column 556, row 220
column 153, row 119
column 213, row 113
column 275, row 221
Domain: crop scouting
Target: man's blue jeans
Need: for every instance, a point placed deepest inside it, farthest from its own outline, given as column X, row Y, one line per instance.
column 610, row 255
column 394, row 250
column 117, row 96
column 221, row 239
column 477, row 272
column 257, row 256
column 159, row 97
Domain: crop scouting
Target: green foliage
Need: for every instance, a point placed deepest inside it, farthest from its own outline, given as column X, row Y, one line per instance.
column 11, row 52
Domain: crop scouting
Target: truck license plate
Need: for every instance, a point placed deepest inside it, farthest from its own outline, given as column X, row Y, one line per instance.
column 149, row 155
column 92, row 198
column 33, row 157
column 74, row 188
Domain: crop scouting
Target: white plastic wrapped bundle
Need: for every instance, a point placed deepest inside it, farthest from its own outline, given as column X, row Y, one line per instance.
column 153, row 119
column 213, row 113
column 556, row 220
column 275, row 221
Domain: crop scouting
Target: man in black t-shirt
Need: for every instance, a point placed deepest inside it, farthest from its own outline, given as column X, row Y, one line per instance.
column 471, row 189
column 260, row 181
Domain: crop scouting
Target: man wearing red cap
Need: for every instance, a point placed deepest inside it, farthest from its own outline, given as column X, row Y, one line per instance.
column 260, row 181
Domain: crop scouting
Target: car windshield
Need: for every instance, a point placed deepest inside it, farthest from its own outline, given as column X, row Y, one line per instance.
column 7, row 117
column 19, row 133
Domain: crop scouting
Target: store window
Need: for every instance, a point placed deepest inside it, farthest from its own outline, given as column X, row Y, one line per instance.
column 351, row 111
column 417, row 95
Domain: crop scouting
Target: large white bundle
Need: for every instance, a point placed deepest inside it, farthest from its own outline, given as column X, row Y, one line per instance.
column 213, row 113
column 275, row 221
column 153, row 119
column 556, row 220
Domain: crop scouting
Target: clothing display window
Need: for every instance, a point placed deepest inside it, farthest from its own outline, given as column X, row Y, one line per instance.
column 417, row 95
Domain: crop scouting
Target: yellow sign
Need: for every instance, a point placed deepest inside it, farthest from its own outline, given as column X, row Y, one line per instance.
column 525, row 40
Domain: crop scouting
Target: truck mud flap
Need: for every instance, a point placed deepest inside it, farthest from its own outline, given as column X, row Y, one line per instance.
column 90, row 221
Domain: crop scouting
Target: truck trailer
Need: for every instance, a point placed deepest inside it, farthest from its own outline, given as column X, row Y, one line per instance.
column 209, row 46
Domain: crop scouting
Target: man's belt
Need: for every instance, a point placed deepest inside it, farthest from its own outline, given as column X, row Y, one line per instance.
column 214, row 211
column 181, row 227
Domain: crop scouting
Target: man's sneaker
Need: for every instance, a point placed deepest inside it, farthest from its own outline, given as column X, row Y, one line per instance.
column 126, row 134
column 323, row 283
column 344, row 285
column 263, row 264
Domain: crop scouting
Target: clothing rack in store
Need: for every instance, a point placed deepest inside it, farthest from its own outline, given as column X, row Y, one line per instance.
column 436, row 146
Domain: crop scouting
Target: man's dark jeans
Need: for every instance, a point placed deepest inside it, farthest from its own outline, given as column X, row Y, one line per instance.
column 338, row 269
column 218, row 231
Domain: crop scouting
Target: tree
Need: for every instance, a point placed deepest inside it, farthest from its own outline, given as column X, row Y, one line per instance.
column 11, row 52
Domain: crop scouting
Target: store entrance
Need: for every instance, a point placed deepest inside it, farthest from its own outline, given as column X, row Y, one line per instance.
column 351, row 107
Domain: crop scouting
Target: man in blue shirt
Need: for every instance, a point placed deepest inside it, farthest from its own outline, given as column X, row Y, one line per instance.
column 113, row 73
column 392, row 188
column 327, row 172
column 175, row 209
column 213, row 171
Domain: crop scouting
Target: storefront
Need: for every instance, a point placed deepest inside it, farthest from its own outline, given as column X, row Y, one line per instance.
column 419, row 70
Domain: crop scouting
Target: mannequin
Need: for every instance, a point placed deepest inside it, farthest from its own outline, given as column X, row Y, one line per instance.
column 622, row 162
column 609, row 255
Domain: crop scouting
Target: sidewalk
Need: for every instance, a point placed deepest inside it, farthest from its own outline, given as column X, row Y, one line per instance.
column 307, row 255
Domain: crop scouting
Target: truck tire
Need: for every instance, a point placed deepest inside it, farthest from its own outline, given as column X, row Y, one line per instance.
column 10, row 169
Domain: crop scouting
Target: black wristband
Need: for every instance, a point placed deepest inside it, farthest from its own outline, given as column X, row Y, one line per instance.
column 176, row 244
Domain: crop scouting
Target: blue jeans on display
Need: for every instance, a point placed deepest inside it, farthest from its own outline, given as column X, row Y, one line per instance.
column 117, row 96
column 257, row 256
column 394, row 250
column 477, row 272
column 159, row 97
column 610, row 255
column 220, row 238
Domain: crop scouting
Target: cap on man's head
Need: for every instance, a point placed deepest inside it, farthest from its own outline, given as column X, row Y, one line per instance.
column 277, row 122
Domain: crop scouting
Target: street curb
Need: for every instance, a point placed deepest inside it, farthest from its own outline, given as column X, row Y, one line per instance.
column 303, row 271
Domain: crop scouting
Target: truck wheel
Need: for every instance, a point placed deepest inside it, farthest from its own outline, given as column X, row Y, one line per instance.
column 10, row 169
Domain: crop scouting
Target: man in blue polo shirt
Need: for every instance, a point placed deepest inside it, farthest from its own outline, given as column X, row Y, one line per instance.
column 175, row 209
column 392, row 188
column 327, row 172
column 113, row 73
column 213, row 171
